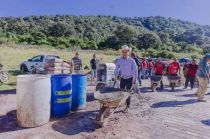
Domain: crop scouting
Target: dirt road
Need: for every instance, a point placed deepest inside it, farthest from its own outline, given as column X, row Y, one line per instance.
column 160, row 115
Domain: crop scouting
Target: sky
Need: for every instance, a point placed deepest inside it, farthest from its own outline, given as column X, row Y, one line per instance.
column 197, row 11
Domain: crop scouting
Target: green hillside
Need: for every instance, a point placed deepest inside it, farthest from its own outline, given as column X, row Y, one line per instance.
column 160, row 35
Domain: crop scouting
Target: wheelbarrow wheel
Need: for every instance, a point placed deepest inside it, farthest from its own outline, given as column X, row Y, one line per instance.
column 153, row 86
column 173, row 86
column 104, row 113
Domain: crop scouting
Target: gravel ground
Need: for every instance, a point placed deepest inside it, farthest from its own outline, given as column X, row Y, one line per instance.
column 158, row 115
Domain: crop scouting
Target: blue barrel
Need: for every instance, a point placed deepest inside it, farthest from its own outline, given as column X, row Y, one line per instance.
column 79, row 86
column 60, row 95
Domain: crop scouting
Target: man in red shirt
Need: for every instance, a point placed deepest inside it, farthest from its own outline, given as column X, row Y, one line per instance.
column 144, row 68
column 191, row 73
column 174, row 68
column 159, row 69
column 151, row 67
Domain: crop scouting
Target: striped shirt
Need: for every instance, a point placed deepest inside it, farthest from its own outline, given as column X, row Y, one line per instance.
column 77, row 62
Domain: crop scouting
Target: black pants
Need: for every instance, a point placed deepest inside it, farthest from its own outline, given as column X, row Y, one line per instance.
column 191, row 80
column 126, row 84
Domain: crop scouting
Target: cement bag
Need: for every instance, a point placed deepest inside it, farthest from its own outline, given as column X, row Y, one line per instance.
column 46, row 65
column 66, row 65
column 53, row 68
column 53, row 60
column 54, row 72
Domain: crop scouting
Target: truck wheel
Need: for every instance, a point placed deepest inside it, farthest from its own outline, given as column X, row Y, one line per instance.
column 23, row 69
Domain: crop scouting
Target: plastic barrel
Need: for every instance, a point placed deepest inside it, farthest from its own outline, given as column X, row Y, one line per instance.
column 61, row 95
column 79, row 85
column 33, row 100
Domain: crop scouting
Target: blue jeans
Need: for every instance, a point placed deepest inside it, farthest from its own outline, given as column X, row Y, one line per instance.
column 94, row 73
column 150, row 72
column 139, row 76
column 144, row 72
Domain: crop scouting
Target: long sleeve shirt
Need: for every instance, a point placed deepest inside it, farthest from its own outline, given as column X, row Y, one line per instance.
column 203, row 68
column 127, row 68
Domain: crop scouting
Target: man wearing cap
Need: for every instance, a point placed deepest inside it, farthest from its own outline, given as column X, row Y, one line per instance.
column 128, row 70
column 203, row 77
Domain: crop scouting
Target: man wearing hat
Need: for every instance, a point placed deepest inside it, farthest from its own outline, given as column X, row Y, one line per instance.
column 203, row 77
column 128, row 70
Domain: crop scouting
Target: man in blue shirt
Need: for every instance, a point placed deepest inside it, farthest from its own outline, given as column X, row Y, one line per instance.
column 203, row 77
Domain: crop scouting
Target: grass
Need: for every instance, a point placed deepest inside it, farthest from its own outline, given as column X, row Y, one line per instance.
column 12, row 55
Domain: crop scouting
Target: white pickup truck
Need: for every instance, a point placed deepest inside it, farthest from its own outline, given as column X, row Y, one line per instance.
column 36, row 62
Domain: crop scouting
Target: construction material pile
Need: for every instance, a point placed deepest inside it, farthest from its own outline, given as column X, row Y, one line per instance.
column 56, row 66
column 66, row 67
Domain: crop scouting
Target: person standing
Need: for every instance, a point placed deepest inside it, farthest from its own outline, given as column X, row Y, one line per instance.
column 151, row 67
column 77, row 63
column 185, row 68
column 93, row 65
column 191, row 70
column 128, row 70
column 144, row 68
column 139, row 66
column 203, row 77
column 159, row 70
column 174, row 68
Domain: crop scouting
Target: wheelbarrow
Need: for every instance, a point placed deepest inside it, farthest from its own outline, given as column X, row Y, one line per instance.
column 110, row 100
column 4, row 76
column 155, row 80
column 173, row 81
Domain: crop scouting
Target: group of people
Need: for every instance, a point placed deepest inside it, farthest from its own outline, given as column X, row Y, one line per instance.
column 77, row 66
column 132, row 69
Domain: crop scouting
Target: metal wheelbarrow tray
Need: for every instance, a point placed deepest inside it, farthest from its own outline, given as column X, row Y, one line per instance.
column 173, row 79
column 110, row 99
column 155, row 80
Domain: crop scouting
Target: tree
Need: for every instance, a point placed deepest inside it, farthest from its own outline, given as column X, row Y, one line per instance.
column 125, row 34
column 61, row 29
column 148, row 40
column 164, row 37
